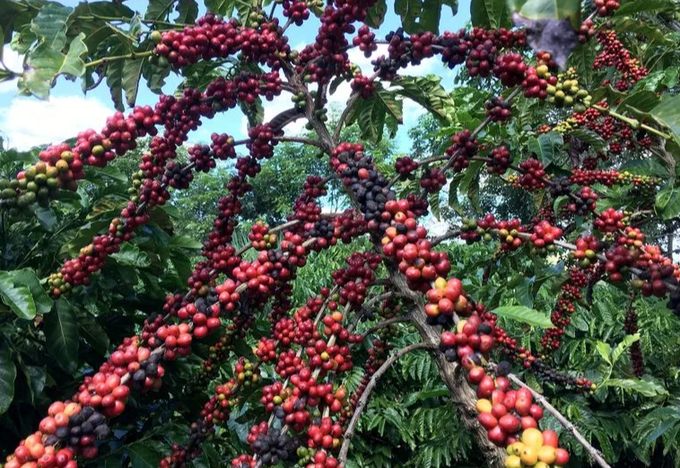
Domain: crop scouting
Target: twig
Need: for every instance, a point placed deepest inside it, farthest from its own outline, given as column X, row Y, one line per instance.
column 597, row 456
column 449, row 235
column 386, row 323
column 363, row 401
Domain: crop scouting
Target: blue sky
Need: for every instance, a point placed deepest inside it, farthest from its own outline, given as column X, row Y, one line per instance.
column 28, row 121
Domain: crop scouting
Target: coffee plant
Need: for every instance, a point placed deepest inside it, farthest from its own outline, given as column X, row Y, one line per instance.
column 539, row 330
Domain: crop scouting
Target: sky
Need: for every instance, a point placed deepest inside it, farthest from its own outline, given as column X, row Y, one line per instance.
column 28, row 121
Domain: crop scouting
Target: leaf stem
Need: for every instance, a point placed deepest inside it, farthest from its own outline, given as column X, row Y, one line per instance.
column 113, row 58
column 634, row 123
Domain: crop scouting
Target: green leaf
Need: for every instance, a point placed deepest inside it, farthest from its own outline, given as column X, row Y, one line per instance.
column 43, row 65
column 473, row 194
column 548, row 10
column 61, row 334
column 73, row 63
column 490, row 14
column 453, row 194
column 221, row 7
column 667, row 112
column 646, row 388
column 8, row 373
column 422, row 15
column 158, row 9
column 185, row 242
column 647, row 5
column 393, row 106
column 605, row 351
column 114, row 78
column 143, row 456
column 429, row 93
column 643, row 101
column 376, row 14
column 92, row 332
column 582, row 58
column 36, row 377
column 17, row 297
column 132, row 72
column 112, row 173
column 130, row 254
column 624, row 345
column 50, row 25
column 668, row 201
column 26, row 277
column 211, row 455
column 188, row 11
column 590, row 137
column 524, row 315
column 545, row 146
column 433, row 200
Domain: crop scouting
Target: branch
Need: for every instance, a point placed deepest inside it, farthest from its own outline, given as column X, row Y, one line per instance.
column 113, row 58
column 386, row 323
column 305, row 141
column 449, row 235
column 597, row 456
column 363, row 401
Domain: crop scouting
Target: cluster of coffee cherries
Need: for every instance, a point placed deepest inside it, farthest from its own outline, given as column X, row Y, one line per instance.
column 472, row 340
column 606, row 7
column 463, row 148
column 545, row 234
column 405, row 166
column 498, row 109
column 566, row 92
column 433, row 180
column 610, row 221
column 587, row 248
column 533, row 175
column 614, row 54
column 260, row 237
column 499, row 160
column 635, row 351
column 565, row 307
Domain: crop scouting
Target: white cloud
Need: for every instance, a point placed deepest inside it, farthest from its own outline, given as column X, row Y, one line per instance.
column 28, row 122
column 14, row 62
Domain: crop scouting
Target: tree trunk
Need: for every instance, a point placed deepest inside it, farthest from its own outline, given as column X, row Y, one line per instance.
column 461, row 393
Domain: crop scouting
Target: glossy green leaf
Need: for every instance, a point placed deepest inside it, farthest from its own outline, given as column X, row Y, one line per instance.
column 429, row 93
column 17, row 297
column 646, row 388
column 668, row 201
column 376, row 14
column 143, row 456
column 548, row 10
column 643, row 101
column 130, row 255
column 185, row 242
column 50, row 25
column 631, row 7
column 36, row 377
column 93, row 333
column 221, row 7
column 26, row 277
column 622, row 347
column 490, row 14
column 61, row 335
column 524, row 315
column 453, row 195
column 582, row 58
column 422, row 15
column 545, row 146
column 158, row 9
column 590, row 137
column 187, row 10
column 114, row 78
column 667, row 112
column 604, row 350
column 132, row 72
column 8, row 373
